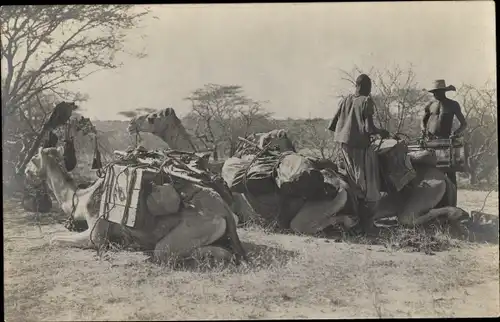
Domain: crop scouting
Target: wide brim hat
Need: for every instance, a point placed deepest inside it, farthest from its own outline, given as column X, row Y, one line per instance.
column 440, row 85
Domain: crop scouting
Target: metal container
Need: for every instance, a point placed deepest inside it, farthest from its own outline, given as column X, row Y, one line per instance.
column 450, row 153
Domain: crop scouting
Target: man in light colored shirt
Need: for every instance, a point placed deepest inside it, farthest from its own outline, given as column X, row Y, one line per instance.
column 353, row 126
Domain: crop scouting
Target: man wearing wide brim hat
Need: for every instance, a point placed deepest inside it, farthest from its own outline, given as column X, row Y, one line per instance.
column 439, row 115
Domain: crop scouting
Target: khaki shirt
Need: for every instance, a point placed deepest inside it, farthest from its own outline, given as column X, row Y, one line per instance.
column 349, row 122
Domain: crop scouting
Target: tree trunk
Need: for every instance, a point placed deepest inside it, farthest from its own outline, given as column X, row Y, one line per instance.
column 215, row 154
column 232, row 148
column 473, row 178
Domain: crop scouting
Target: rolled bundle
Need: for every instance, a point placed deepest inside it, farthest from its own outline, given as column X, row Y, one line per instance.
column 163, row 200
column 257, row 180
column 297, row 176
column 423, row 157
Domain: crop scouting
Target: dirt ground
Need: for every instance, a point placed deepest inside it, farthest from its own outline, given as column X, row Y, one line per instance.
column 290, row 277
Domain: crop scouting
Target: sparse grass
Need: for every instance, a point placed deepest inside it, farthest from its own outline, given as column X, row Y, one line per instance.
column 430, row 240
column 288, row 277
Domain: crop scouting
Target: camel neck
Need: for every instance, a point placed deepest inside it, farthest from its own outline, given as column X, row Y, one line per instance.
column 59, row 182
column 179, row 141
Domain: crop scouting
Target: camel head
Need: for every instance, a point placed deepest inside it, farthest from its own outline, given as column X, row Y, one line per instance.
column 36, row 170
column 155, row 123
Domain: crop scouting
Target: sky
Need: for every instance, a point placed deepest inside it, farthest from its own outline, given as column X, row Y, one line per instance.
column 291, row 54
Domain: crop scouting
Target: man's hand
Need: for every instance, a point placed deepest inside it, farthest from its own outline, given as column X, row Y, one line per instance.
column 384, row 134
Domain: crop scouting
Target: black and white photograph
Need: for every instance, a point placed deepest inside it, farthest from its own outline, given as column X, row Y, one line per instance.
column 246, row 161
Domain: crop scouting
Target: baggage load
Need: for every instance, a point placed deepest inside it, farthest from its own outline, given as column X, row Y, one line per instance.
column 245, row 174
column 297, row 176
column 232, row 168
column 121, row 200
column 163, row 200
column 396, row 170
column 423, row 157
column 134, row 195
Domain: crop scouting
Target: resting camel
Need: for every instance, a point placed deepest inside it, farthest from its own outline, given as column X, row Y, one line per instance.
column 167, row 126
column 427, row 197
column 190, row 230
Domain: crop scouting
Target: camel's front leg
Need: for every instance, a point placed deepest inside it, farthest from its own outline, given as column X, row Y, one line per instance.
column 453, row 214
column 194, row 231
column 95, row 236
column 78, row 240
column 315, row 216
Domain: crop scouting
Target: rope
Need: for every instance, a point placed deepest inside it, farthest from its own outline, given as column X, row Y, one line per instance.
column 263, row 150
column 484, row 202
column 112, row 192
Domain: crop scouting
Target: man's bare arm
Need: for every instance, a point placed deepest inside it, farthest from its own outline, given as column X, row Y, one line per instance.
column 425, row 119
column 463, row 123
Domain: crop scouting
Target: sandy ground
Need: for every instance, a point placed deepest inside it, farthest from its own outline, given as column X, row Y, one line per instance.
column 290, row 277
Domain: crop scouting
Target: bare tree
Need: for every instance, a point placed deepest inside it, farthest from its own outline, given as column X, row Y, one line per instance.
column 223, row 113
column 44, row 47
column 311, row 134
column 400, row 104
column 480, row 109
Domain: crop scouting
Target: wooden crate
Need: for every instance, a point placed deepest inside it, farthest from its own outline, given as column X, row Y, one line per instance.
column 122, row 198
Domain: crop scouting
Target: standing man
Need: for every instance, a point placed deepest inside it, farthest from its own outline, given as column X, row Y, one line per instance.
column 439, row 115
column 353, row 126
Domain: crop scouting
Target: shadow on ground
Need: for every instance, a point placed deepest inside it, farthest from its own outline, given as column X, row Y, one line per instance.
column 434, row 237
column 263, row 255
column 259, row 257
column 27, row 218
column 20, row 216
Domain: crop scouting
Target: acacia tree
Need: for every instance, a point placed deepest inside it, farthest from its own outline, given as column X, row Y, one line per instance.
column 46, row 47
column 480, row 110
column 399, row 100
column 313, row 135
column 223, row 112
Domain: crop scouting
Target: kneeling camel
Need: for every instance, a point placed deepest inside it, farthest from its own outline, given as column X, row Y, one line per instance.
column 191, row 230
